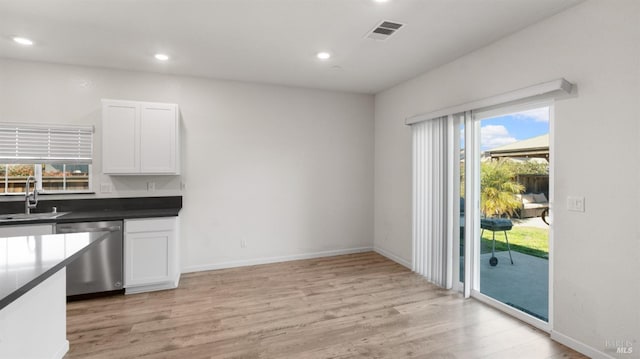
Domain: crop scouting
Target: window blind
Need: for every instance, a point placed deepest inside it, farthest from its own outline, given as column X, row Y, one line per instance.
column 30, row 143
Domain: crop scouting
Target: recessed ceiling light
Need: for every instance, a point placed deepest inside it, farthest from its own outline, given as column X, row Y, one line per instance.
column 380, row 0
column 323, row 55
column 162, row 57
column 23, row 41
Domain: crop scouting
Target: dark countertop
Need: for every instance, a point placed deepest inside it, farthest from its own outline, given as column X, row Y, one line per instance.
column 107, row 215
column 27, row 261
column 96, row 209
column 96, row 216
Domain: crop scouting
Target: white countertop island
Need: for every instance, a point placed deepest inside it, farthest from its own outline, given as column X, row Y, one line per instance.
column 33, row 292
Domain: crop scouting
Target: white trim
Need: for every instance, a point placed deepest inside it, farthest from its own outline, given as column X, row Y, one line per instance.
column 91, row 128
column 267, row 260
column 554, row 88
column 60, row 353
column 579, row 346
column 150, row 288
column 550, row 231
column 472, row 204
column 520, row 315
column 473, row 126
column 154, row 287
column 393, row 257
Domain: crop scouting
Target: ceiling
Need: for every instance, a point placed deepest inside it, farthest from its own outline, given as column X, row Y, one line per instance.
column 265, row 41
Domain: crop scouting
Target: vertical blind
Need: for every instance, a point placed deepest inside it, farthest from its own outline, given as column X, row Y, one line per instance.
column 434, row 185
column 30, row 143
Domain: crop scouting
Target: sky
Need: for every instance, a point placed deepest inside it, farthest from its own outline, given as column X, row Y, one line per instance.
column 503, row 130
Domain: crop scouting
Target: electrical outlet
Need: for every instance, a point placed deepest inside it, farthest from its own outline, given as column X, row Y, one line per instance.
column 243, row 243
column 575, row 204
column 105, row 187
column 151, row 186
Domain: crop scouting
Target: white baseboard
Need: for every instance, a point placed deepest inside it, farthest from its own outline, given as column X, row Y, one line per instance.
column 150, row 288
column 579, row 346
column 64, row 348
column 392, row 256
column 267, row 260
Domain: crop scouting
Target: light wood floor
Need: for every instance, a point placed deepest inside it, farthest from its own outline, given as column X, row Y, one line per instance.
column 360, row 305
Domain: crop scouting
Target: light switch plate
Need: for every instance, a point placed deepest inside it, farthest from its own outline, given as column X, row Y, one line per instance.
column 575, row 204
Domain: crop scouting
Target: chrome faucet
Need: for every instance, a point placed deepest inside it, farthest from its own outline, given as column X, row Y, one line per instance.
column 30, row 199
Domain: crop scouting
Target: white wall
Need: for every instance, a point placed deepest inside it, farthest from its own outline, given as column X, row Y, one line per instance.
column 597, row 253
column 288, row 170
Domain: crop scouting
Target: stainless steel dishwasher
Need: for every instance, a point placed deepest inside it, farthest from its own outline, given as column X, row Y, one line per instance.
column 99, row 269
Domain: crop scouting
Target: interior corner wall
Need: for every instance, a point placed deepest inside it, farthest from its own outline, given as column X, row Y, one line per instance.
column 286, row 172
column 596, row 254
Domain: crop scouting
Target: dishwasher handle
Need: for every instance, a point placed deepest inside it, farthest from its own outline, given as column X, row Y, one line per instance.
column 108, row 229
column 71, row 229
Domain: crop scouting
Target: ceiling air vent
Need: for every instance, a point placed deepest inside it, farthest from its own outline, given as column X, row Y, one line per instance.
column 384, row 30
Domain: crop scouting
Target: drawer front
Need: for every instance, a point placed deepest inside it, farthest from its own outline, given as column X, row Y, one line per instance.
column 149, row 225
column 25, row 230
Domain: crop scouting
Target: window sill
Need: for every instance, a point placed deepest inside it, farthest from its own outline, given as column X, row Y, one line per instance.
column 13, row 194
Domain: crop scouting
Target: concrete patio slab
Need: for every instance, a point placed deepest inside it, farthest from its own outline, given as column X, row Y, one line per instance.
column 523, row 285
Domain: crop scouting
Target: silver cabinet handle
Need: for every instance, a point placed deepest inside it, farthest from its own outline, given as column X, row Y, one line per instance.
column 75, row 230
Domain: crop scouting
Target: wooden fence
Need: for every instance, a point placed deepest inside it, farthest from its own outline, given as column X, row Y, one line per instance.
column 49, row 183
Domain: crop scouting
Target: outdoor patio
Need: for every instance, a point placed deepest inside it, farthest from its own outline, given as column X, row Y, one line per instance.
column 523, row 285
column 535, row 222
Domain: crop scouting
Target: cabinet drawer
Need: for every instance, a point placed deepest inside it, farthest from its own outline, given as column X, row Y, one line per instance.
column 149, row 225
column 25, row 230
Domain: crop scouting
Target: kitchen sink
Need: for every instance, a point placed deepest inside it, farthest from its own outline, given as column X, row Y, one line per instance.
column 17, row 217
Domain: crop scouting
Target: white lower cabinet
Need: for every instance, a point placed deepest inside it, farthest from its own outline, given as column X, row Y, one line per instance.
column 26, row 230
column 151, row 254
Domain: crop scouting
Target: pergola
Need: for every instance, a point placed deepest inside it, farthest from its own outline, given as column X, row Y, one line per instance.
column 535, row 147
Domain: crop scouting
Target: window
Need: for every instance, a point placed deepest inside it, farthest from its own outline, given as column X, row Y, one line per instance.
column 58, row 156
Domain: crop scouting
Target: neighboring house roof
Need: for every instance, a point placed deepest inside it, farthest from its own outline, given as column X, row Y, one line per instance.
column 532, row 147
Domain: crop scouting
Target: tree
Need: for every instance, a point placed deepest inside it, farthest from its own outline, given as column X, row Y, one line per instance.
column 529, row 167
column 20, row 170
column 498, row 189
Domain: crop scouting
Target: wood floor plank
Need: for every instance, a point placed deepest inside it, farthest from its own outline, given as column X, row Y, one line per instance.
column 352, row 306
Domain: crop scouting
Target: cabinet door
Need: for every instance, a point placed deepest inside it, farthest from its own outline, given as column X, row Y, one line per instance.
column 158, row 139
column 150, row 251
column 120, row 137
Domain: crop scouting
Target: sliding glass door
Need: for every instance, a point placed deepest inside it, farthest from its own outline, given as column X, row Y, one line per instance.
column 507, row 190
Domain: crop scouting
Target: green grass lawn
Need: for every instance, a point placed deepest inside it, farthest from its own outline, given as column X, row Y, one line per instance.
column 528, row 240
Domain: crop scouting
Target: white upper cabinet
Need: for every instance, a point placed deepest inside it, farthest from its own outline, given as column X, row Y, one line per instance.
column 120, row 137
column 140, row 138
column 158, row 138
